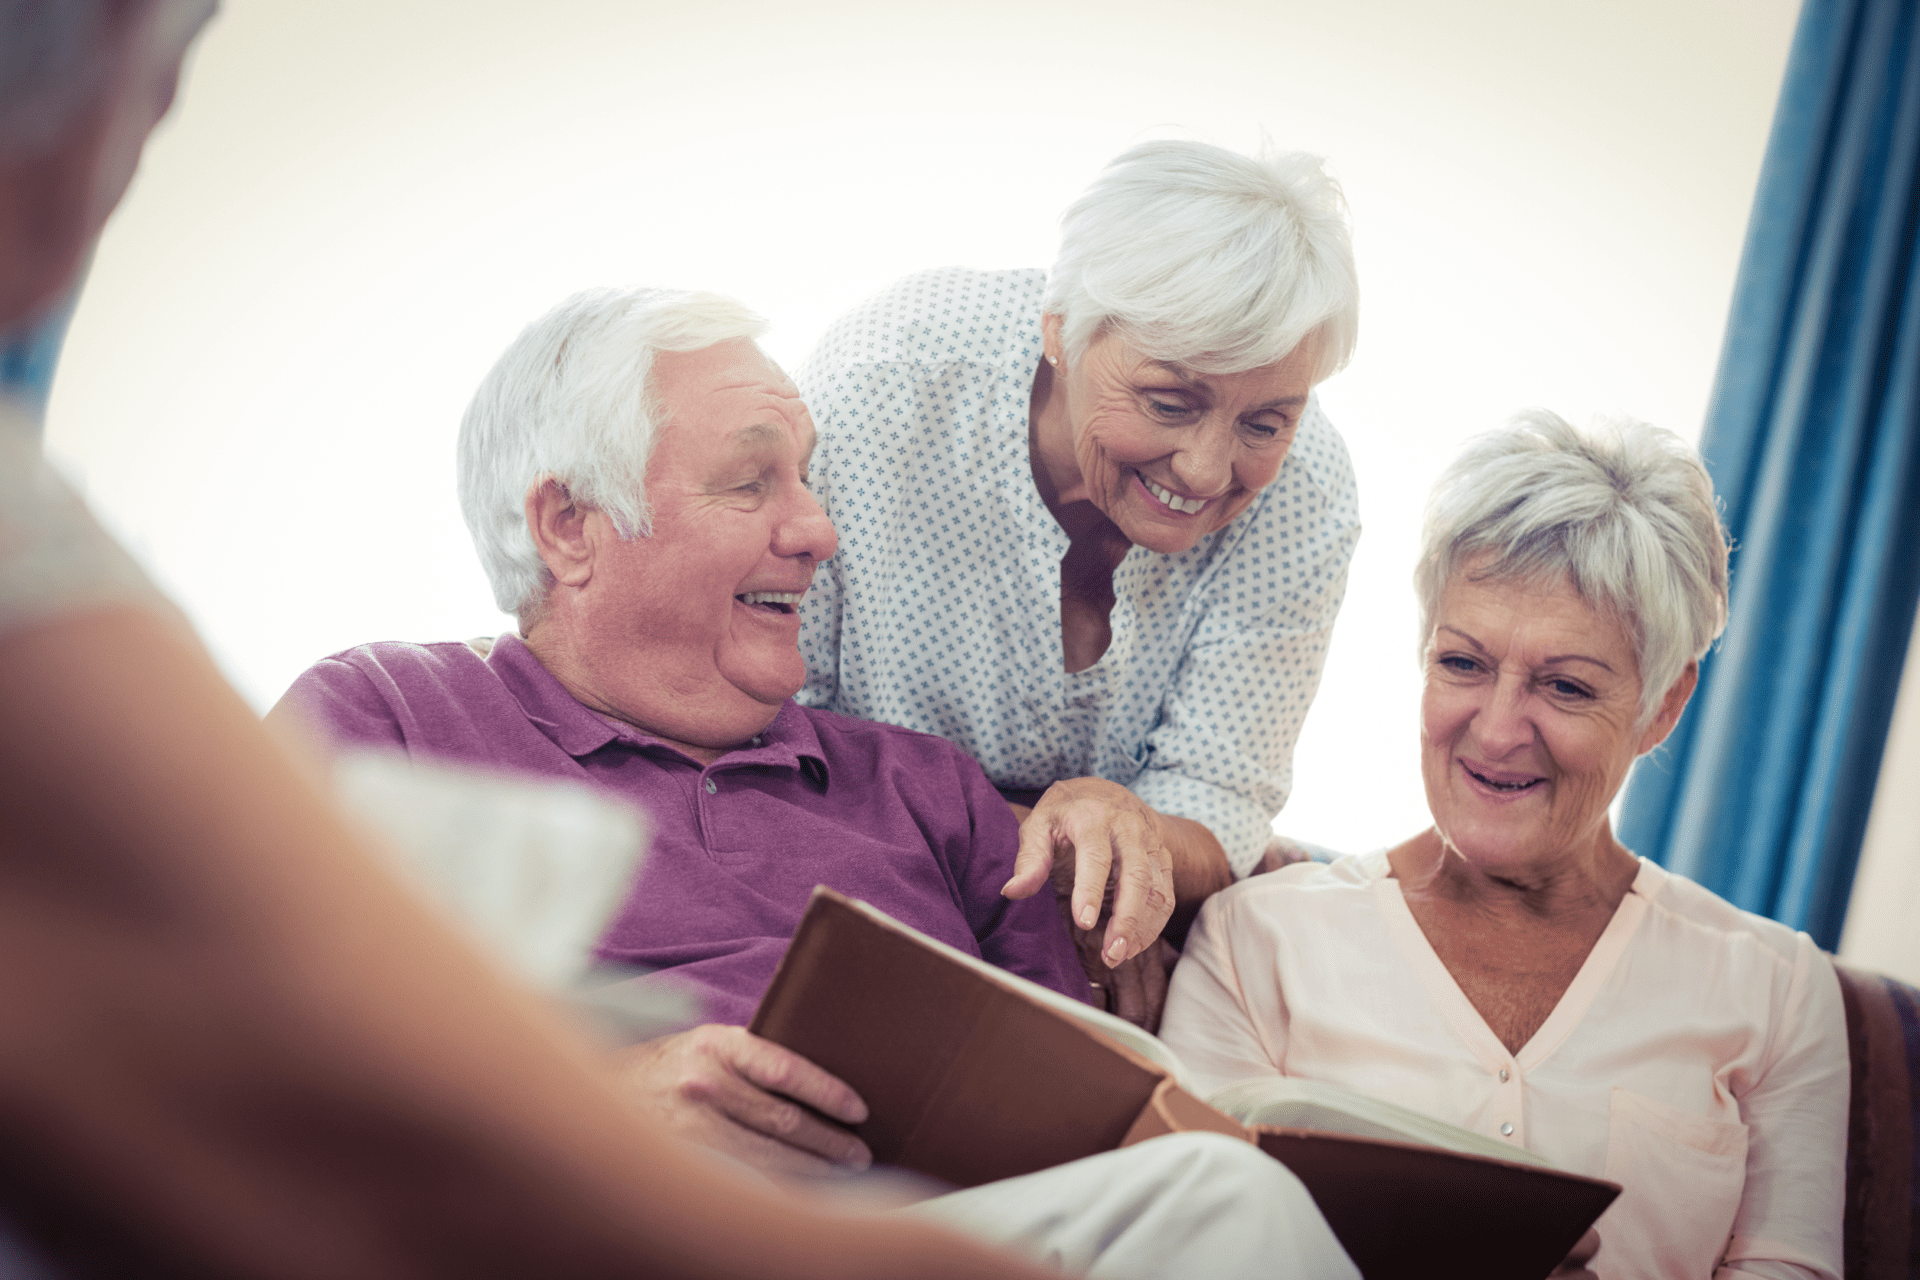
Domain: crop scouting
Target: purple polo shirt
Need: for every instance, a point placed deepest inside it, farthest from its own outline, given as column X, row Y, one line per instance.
column 901, row 819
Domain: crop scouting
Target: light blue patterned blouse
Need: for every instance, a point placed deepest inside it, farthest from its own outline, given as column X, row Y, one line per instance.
column 941, row 611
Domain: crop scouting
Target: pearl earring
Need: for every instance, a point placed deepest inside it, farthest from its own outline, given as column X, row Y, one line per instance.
column 1053, row 360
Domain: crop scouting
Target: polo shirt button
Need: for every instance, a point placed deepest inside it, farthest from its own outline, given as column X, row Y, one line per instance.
column 1506, row 1130
column 711, row 788
column 1503, row 1075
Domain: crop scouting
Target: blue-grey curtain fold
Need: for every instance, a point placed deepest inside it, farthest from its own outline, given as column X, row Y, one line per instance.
column 1813, row 438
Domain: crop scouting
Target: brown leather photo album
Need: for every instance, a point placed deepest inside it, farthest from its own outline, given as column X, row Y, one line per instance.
column 972, row 1074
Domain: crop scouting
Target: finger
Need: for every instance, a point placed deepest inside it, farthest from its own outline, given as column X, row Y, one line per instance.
column 1155, row 969
column 787, row 1123
column 770, row 1155
column 1034, row 860
column 1143, row 890
column 780, row 1070
column 1132, row 999
column 1092, row 858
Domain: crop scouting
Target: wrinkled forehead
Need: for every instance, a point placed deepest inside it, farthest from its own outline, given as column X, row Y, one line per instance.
column 688, row 382
column 730, row 396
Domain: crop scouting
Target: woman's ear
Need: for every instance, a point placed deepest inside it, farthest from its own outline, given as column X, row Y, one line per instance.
column 558, row 526
column 1671, row 706
column 1051, row 345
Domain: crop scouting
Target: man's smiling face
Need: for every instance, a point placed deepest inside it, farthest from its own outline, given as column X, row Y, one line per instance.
column 691, row 633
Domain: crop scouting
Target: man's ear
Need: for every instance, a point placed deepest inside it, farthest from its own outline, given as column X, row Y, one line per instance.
column 558, row 526
column 1671, row 706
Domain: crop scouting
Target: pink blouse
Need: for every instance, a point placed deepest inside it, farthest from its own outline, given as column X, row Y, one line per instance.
column 1699, row 1057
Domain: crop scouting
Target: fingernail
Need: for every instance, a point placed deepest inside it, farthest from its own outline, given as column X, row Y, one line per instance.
column 1117, row 952
column 1087, row 917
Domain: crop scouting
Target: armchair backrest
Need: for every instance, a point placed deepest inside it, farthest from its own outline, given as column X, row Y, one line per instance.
column 1883, row 1192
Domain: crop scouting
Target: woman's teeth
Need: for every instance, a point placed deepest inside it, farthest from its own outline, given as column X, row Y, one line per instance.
column 1505, row 786
column 1172, row 499
column 783, row 598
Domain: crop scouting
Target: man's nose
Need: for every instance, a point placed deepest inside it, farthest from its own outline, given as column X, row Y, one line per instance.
column 805, row 530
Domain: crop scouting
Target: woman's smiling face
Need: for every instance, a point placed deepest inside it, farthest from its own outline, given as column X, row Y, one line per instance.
column 1528, row 721
column 1170, row 454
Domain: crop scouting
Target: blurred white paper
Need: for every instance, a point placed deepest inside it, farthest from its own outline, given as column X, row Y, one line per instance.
column 533, row 869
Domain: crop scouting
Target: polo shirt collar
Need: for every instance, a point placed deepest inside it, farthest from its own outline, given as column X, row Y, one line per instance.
column 789, row 742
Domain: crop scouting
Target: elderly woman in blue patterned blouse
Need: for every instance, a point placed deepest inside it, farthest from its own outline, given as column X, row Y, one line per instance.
column 1094, row 527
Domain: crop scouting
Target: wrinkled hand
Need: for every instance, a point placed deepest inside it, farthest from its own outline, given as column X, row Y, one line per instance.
column 730, row 1090
column 1099, row 843
column 1575, row 1267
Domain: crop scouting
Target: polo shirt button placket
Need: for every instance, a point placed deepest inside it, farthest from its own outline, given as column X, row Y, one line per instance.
column 1509, row 1099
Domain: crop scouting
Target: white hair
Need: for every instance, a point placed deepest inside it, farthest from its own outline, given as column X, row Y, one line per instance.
column 1210, row 259
column 569, row 401
column 1623, row 511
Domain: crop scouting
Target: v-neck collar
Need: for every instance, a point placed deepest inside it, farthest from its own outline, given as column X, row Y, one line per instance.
column 1459, row 1012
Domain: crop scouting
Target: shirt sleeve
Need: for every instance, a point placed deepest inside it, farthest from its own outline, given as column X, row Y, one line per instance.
column 1788, row 1224
column 1222, row 751
column 1207, row 1021
column 339, row 703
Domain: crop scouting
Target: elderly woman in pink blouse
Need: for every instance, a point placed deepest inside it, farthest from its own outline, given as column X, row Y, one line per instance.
column 1513, row 968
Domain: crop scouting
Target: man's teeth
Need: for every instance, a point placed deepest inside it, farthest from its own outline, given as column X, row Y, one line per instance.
column 771, row 597
column 1173, row 499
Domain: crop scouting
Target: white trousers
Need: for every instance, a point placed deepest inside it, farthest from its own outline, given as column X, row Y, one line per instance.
column 1189, row 1204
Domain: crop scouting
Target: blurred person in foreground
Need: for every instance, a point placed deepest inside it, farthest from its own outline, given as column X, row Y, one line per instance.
column 1095, row 527
column 1514, row 969
column 231, row 1044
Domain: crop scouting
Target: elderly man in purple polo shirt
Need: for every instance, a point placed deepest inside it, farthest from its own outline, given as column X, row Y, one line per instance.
column 634, row 473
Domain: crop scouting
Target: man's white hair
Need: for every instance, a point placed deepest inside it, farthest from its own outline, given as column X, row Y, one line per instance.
column 569, row 401
column 1221, row 262
column 1623, row 511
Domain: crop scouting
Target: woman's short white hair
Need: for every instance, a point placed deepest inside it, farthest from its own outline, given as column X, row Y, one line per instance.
column 1623, row 511
column 569, row 402
column 1201, row 256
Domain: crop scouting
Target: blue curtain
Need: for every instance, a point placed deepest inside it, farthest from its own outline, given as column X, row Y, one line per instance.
column 1813, row 439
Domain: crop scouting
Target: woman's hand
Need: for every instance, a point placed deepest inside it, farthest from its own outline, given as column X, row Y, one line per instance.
column 1108, row 853
column 1099, row 844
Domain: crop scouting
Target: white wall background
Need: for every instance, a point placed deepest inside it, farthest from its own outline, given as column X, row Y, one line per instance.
column 1880, row 932
column 358, row 202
